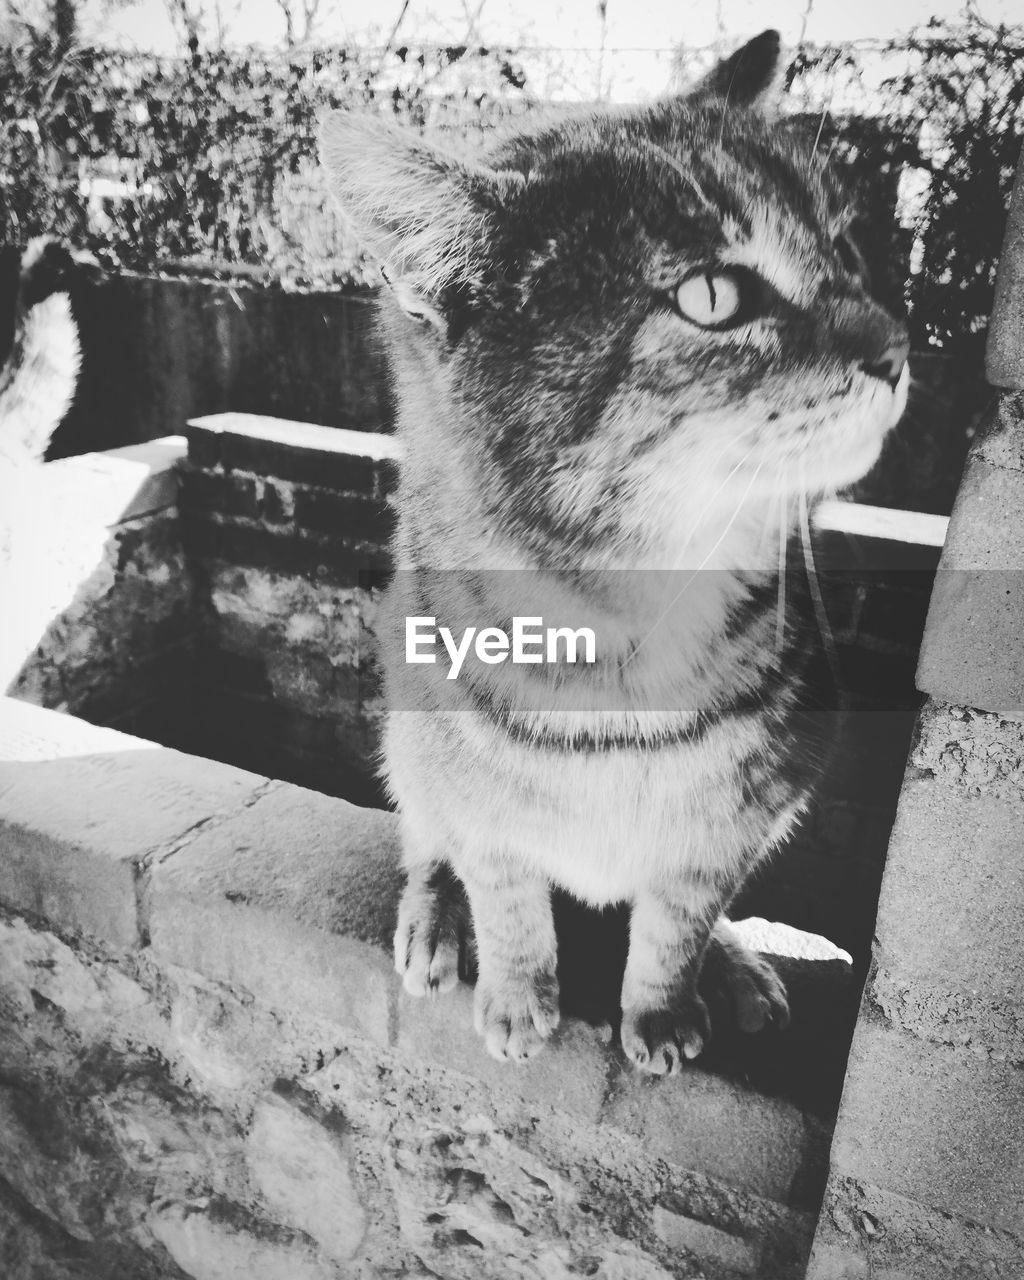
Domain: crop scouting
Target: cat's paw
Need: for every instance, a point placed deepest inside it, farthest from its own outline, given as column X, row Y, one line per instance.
column 516, row 1015
column 429, row 943
column 741, row 982
column 660, row 1040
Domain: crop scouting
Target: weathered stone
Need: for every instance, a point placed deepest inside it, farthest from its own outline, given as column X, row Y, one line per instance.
column 866, row 1233
column 303, row 1169
column 971, row 652
column 207, row 1249
column 706, row 1242
column 289, row 900
column 953, row 891
column 570, row 1076
column 1004, row 351
column 937, row 1124
column 708, row 1124
column 71, row 843
column 976, row 750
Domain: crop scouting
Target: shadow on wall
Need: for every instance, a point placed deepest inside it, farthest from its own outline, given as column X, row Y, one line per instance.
column 159, row 351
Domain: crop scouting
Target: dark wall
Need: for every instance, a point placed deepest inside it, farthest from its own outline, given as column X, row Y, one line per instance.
column 159, row 351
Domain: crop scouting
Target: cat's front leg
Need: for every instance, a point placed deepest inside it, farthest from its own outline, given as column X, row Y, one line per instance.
column 664, row 1019
column 516, row 1002
column 432, row 936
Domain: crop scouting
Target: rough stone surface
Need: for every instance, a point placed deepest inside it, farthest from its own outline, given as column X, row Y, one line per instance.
column 975, row 750
column 72, row 846
column 302, row 1168
column 1004, row 352
column 700, row 1121
column 359, row 1162
column 866, row 1233
column 936, row 1124
column 953, row 892
column 291, row 900
column 104, row 605
column 699, row 1238
column 971, row 652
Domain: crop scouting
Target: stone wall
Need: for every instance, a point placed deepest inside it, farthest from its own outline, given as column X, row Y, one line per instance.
column 927, row 1168
column 157, row 351
column 98, row 606
column 210, row 1069
column 285, row 524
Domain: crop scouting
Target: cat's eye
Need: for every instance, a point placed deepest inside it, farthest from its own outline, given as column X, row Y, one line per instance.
column 712, row 299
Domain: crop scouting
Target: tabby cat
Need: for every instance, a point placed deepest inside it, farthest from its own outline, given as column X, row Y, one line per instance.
column 627, row 349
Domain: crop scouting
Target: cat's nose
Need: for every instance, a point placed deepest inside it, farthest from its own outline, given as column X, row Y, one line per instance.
column 889, row 365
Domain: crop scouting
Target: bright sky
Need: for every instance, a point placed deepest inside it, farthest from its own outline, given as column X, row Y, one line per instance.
column 631, row 24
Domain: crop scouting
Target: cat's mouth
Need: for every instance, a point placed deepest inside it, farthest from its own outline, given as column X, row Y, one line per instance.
column 836, row 442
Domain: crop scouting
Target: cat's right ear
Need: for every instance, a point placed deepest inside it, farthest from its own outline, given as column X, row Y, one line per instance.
column 420, row 211
column 750, row 77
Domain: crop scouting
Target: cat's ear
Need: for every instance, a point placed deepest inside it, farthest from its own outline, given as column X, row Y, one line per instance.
column 422, row 212
column 750, row 77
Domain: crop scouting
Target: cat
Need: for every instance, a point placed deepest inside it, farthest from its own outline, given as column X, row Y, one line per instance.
column 627, row 349
column 39, row 376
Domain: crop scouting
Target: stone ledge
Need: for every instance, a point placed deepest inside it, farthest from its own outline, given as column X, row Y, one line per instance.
column 72, row 845
column 288, row 896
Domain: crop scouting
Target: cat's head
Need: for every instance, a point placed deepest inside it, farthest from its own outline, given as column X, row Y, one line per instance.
column 637, row 306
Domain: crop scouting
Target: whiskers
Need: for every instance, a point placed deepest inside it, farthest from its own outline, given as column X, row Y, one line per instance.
column 824, row 626
column 780, row 604
column 693, row 574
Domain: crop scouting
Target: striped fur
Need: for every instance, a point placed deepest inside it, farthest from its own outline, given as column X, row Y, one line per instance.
column 579, row 450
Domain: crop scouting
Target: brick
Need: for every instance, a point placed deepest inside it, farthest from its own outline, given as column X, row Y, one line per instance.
column 569, row 1076
column 1000, row 440
column 953, row 892
column 707, row 1242
column 1004, row 351
column 865, row 1233
column 293, row 900
column 940, row 1125
column 711, row 1125
column 346, row 516
column 335, row 458
column 331, row 561
column 220, row 493
column 971, row 651
column 71, row 840
column 302, row 1164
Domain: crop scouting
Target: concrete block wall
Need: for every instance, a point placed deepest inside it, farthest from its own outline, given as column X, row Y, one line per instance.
column 285, row 525
column 927, row 1166
column 210, row 1069
column 98, row 615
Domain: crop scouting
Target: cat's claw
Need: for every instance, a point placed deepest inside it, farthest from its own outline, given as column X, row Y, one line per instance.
column 661, row 1041
column 516, row 1017
column 428, row 945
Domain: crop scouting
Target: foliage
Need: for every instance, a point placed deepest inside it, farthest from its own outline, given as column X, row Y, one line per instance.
column 157, row 159
column 210, row 158
column 946, row 130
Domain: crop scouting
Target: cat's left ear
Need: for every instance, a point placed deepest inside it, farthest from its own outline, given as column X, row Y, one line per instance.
column 750, row 77
column 423, row 212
